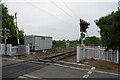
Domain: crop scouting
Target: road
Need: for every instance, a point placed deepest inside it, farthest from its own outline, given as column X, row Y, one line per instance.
column 28, row 70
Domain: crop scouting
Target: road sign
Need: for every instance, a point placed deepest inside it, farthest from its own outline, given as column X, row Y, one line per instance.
column 82, row 35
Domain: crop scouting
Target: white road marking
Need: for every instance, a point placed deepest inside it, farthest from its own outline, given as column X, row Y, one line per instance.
column 89, row 72
column 21, row 77
column 66, row 62
column 71, row 67
column 106, row 72
column 73, row 63
column 30, row 76
column 93, row 68
column 27, row 76
column 86, row 76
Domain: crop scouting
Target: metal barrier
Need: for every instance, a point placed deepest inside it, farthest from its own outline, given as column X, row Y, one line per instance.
column 99, row 53
column 23, row 49
column 2, row 49
column 14, row 50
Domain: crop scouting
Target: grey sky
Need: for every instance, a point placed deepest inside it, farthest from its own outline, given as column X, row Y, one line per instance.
column 44, row 18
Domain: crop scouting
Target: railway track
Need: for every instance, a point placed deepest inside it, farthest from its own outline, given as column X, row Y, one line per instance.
column 24, row 67
column 61, row 56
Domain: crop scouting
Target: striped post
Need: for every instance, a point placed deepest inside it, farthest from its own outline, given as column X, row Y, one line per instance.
column 17, row 29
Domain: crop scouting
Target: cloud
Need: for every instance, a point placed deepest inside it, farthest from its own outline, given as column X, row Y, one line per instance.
column 44, row 18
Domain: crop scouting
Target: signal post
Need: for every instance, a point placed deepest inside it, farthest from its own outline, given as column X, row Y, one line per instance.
column 81, row 51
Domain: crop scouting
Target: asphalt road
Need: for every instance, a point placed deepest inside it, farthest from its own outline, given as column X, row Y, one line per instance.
column 8, row 62
column 20, row 68
column 31, row 70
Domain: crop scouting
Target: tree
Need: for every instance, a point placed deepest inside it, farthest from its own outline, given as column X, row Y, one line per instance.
column 8, row 22
column 110, row 30
column 21, row 36
column 59, row 43
column 92, row 41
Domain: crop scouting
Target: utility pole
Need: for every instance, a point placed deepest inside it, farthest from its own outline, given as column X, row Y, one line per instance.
column 6, row 34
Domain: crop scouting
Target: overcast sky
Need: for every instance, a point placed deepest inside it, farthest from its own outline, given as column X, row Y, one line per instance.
column 59, row 18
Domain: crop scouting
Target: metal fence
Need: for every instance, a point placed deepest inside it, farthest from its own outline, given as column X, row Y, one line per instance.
column 2, row 49
column 14, row 50
column 99, row 53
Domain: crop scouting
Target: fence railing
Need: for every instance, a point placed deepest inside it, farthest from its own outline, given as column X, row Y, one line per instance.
column 98, row 53
column 14, row 50
column 2, row 49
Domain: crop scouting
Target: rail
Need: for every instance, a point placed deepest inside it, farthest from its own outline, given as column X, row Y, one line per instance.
column 61, row 56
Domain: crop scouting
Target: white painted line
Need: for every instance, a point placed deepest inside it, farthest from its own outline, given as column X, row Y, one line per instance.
column 30, row 76
column 90, row 72
column 106, row 72
column 93, row 68
column 27, row 76
column 73, row 63
column 21, row 77
column 67, row 62
column 70, row 67
column 85, row 76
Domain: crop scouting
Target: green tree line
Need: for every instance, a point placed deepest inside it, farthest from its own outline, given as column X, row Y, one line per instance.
column 110, row 30
column 8, row 22
column 92, row 41
column 88, row 41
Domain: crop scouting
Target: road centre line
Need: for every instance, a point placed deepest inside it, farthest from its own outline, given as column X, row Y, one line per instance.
column 85, row 76
column 89, row 72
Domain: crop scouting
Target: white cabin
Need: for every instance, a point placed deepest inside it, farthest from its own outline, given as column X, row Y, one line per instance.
column 38, row 42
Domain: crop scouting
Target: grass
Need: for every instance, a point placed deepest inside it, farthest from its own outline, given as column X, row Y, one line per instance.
column 104, row 65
